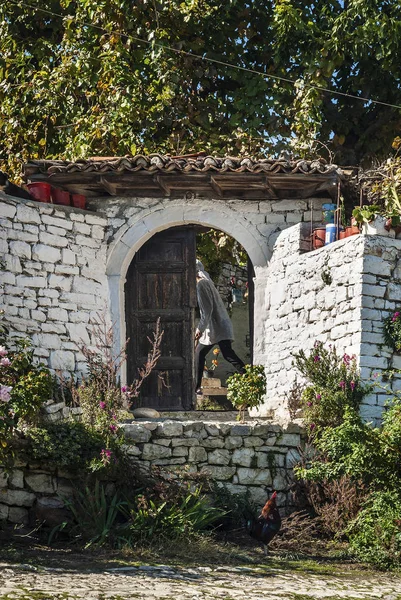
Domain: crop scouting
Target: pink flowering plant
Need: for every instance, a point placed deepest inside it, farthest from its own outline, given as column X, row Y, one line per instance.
column 392, row 330
column 333, row 385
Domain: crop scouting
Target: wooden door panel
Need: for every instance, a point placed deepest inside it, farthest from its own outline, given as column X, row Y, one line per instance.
column 161, row 283
column 160, row 290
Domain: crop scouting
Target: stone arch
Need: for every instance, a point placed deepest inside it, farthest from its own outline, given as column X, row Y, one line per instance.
column 140, row 228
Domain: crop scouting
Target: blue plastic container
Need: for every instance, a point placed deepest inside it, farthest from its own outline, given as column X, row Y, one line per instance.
column 329, row 212
column 331, row 234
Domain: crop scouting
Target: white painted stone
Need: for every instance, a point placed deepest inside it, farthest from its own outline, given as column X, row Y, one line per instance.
column 25, row 214
column 60, row 282
column 21, row 249
column 53, row 240
column 45, row 253
column 63, row 360
column 7, row 210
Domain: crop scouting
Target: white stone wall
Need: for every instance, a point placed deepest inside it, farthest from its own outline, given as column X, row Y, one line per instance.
column 54, row 278
column 338, row 294
column 63, row 266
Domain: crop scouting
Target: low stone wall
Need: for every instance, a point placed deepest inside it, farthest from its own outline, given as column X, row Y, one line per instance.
column 253, row 456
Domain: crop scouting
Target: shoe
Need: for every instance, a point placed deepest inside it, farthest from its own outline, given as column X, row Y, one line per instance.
column 199, row 392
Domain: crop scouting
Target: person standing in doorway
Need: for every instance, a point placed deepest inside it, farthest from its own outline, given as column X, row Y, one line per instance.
column 214, row 327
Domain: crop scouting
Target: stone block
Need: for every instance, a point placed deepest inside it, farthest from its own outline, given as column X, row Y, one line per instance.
column 25, row 214
column 218, row 473
column 213, row 429
column 280, row 481
column 254, row 477
column 243, row 457
column 154, row 452
column 7, row 211
column 68, row 257
column 289, row 439
column 219, row 457
column 170, row 429
column 232, row 442
column 213, row 442
column 21, row 249
column 31, row 282
column 253, row 442
column 44, row 253
column 241, row 430
column 180, row 451
column 189, row 442
column 17, row 497
column 16, row 479
column 136, row 432
column 64, row 223
column 3, row 511
column 3, row 479
column 63, row 360
column 53, row 240
column 197, row 454
column 40, row 482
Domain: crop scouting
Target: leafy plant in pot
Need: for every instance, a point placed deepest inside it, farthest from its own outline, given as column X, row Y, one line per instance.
column 384, row 191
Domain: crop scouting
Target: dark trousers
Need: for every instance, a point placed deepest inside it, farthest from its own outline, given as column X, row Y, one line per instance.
column 228, row 354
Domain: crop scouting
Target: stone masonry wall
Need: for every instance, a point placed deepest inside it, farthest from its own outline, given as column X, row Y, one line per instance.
column 252, row 456
column 54, row 279
column 338, row 294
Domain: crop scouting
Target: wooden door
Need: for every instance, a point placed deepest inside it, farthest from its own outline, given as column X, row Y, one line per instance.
column 161, row 282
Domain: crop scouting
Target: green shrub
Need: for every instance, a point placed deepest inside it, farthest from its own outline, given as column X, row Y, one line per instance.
column 246, row 390
column 375, row 535
column 70, row 445
column 154, row 519
column 94, row 515
column 334, row 386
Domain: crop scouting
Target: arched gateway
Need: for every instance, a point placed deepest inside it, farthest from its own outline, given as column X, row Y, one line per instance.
column 143, row 204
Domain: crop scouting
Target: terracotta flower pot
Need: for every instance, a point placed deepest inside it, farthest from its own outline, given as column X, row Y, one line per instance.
column 40, row 191
column 318, row 237
column 342, row 234
column 79, row 201
column 61, row 197
column 351, row 230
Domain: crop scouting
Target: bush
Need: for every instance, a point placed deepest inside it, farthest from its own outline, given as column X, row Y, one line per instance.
column 154, row 519
column 246, row 390
column 375, row 534
column 68, row 445
column 392, row 331
column 335, row 386
column 24, row 387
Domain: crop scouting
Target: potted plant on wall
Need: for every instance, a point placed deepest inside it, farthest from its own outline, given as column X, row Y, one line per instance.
column 383, row 214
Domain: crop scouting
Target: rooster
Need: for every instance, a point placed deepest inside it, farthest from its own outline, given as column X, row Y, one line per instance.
column 265, row 527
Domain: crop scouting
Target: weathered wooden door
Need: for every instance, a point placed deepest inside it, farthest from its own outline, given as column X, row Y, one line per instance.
column 161, row 283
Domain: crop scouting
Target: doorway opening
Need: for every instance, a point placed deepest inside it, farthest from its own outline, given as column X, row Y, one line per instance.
column 161, row 282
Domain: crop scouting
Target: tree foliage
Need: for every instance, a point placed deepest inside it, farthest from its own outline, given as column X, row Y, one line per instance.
column 76, row 82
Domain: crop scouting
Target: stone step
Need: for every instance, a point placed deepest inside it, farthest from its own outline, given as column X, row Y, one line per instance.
column 211, row 382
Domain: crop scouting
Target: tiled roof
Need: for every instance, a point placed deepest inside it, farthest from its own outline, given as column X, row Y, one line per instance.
column 154, row 163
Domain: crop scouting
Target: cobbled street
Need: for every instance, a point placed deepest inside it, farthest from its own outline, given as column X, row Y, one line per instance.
column 204, row 583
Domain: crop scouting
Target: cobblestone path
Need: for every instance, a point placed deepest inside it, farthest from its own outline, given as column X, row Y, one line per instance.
column 200, row 583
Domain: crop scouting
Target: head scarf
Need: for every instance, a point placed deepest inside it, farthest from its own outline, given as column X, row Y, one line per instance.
column 200, row 271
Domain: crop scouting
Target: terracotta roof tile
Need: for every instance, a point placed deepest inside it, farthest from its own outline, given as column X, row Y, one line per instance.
column 154, row 163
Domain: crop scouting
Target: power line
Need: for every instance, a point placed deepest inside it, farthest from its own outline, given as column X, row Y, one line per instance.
column 212, row 60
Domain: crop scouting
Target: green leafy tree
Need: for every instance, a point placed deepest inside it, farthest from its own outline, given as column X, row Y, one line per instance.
column 113, row 77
